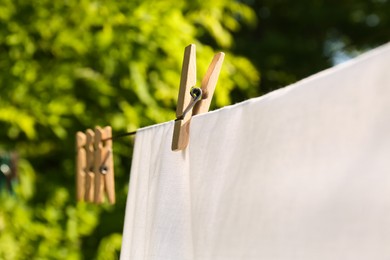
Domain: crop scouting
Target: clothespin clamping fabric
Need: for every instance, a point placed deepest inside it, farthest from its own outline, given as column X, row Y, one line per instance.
column 95, row 166
column 192, row 98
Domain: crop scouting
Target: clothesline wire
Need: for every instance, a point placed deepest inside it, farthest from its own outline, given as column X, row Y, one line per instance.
column 196, row 94
column 120, row 135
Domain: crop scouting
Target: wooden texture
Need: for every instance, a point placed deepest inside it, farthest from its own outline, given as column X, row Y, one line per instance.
column 81, row 161
column 181, row 132
column 104, row 182
column 188, row 79
column 99, row 178
column 89, row 174
column 208, row 84
column 109, row 179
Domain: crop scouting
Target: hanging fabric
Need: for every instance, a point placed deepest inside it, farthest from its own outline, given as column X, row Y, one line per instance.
column 301, row 173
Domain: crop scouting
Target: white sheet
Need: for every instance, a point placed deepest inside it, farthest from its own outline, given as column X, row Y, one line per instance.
column 301, row 173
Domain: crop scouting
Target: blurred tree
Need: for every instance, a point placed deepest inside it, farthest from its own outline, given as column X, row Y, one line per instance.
column 70, row 65
column 294, row 39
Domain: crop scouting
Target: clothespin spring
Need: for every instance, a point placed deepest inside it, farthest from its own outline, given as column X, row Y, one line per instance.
column 103, row 169
column 196, row 94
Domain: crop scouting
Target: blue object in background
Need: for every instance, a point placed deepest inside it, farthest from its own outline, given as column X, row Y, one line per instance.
column 8, row 171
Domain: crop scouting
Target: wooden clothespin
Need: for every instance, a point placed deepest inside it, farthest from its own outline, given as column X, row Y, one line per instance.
column 95, row 166
column 189, row 96
column 89, row 171
column 103, row 165
column 81, row 161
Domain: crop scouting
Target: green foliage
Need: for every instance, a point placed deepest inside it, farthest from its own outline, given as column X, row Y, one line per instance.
column 295, row 39
column 109, row 247
column 48, row 231
column 71, row 61
column 70, row 65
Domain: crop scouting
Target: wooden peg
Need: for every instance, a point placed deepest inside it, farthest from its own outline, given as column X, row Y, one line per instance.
column 81, row 162
column 187, row 80
column 208, row 84
column 108, row 166
column 99, row 178
column 89, row 174
column 103, row 166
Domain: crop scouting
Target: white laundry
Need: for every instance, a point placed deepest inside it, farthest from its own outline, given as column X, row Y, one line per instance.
column 302, row 173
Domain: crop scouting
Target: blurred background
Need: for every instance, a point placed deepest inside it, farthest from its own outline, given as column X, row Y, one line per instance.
column 66, row 66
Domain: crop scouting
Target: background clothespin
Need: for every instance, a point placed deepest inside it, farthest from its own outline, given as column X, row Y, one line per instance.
column 103, row 166
column 81, row 162
column 89, row 174
column 95, row 165
column 186, row 100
